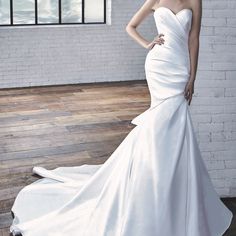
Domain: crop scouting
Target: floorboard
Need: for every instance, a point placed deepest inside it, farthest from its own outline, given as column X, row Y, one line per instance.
column 66, row 125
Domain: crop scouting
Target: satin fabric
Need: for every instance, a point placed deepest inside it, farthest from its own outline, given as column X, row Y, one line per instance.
column 155, row 183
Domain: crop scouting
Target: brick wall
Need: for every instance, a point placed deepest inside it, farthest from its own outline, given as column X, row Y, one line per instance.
column 45, row 55
column 32, row 56
column 214, row 104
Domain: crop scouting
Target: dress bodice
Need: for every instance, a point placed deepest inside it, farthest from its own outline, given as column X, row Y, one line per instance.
column 169, row 22
column 176, row 28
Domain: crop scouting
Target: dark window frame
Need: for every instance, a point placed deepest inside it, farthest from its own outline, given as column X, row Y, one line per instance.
column 59, row 17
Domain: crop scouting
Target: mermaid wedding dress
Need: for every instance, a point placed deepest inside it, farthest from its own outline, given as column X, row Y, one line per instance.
column 154, row 184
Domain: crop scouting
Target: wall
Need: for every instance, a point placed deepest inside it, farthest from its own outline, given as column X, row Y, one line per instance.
column 214, row 103
column 46, row 55
column 32, row 56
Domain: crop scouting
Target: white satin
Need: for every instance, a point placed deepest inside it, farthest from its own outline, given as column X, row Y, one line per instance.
column 154, row 184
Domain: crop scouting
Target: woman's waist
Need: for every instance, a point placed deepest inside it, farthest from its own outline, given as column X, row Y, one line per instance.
column 175, row 55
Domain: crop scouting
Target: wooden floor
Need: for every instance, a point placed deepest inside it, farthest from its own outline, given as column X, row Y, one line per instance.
column 66, row 125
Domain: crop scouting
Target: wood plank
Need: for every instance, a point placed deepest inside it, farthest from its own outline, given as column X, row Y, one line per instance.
column 56, row 126
column 64, row 125
column 5, row 232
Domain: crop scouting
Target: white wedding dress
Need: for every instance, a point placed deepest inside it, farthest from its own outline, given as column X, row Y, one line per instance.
column 154, row 184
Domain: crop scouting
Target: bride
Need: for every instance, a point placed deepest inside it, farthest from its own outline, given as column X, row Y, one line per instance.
column 155, row 183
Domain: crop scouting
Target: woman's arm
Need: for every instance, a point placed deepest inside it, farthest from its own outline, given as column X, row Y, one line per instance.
column 193, row 47
column 139, row 16
column 194, row 36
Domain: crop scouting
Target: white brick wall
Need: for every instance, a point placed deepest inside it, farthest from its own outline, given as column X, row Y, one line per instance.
column 213, row 106
column 31, row 56
column 45, row 55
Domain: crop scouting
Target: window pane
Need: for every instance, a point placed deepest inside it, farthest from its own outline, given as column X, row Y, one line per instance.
column 94, row 11
column 48, row 11
column 4, row 12
column 71, row 11
column 23, row 12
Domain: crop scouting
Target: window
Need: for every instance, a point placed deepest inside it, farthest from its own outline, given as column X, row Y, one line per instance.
column 52, row 12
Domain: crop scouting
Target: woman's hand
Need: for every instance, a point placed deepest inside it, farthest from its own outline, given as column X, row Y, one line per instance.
column 157, row 40
column 189, row 90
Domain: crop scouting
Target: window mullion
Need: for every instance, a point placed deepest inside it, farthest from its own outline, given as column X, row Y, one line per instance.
column 11, row 12
column 36, row 12
column 59, row 10
column 83, row 7
column 105, row 11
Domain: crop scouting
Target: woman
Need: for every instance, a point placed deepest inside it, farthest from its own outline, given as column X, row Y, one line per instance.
column 155, row 183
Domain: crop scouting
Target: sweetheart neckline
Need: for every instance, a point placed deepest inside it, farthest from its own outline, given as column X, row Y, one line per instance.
column 175, row 14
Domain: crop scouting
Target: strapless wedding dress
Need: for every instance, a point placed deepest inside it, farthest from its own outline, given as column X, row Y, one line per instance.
column 154, row 184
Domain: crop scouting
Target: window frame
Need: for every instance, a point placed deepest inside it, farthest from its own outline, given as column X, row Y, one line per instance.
column 59, row 23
